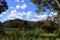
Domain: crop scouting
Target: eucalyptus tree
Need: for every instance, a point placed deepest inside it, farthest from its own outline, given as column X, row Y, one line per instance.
column 3, row 8
column 50, row 4
column 53, row 6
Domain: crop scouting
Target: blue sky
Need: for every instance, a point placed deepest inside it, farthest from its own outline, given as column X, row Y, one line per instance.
column 25, row 10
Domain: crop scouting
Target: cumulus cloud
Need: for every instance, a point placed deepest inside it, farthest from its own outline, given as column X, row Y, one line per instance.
column 44, row 16
column 24, row 5
column 34, row 17
column 29, row 14
column 15, row 15
column 22, row 1
column 18, row 15
column 18, row 6
column 39, row 17
column 12, row 14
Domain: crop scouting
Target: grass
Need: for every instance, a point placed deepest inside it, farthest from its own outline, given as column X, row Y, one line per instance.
column 34, row 34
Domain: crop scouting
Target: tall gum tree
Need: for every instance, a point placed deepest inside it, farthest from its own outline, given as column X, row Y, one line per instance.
column 3, row 8
column 53, row 5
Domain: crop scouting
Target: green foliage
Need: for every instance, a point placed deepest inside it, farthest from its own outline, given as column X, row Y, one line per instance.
column 50, row 4
column 13, row 23
column 47, row 26
column 36, row 2
column 25, row 30
column 28, row 34
column 3, row 6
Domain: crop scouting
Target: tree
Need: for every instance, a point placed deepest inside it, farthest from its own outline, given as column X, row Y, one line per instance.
column 53, row 5
column 50, row 4
column 3, row 6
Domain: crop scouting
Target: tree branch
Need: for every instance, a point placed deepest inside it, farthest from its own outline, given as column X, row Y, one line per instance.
column 57, row 3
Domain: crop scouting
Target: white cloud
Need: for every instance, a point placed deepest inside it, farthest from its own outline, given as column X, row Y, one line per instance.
column 22, row 1
column 23, row 13
column 29, row 14
column 2, row 14
column 43, row 17
column 18, row 6
column 36, row 17
column 40, row 17
column 24, row 5
column 53, row 14
column 18, row 15
column 15, row 15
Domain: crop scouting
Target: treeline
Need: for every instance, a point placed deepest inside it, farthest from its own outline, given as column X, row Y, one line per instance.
column 27, row 30
column 47, row 26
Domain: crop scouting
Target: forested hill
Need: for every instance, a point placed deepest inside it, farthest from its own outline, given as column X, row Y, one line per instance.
column 17, row 23
column 21, row 23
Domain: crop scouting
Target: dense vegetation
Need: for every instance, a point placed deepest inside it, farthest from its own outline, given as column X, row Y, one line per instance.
column 3, row 6
column 23, row 30
column 27, row 30
column 17, row 23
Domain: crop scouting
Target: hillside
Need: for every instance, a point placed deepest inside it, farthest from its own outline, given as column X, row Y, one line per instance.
column 28, row 29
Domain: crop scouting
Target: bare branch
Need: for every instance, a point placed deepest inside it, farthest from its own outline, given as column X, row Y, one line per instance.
column 57, row 3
